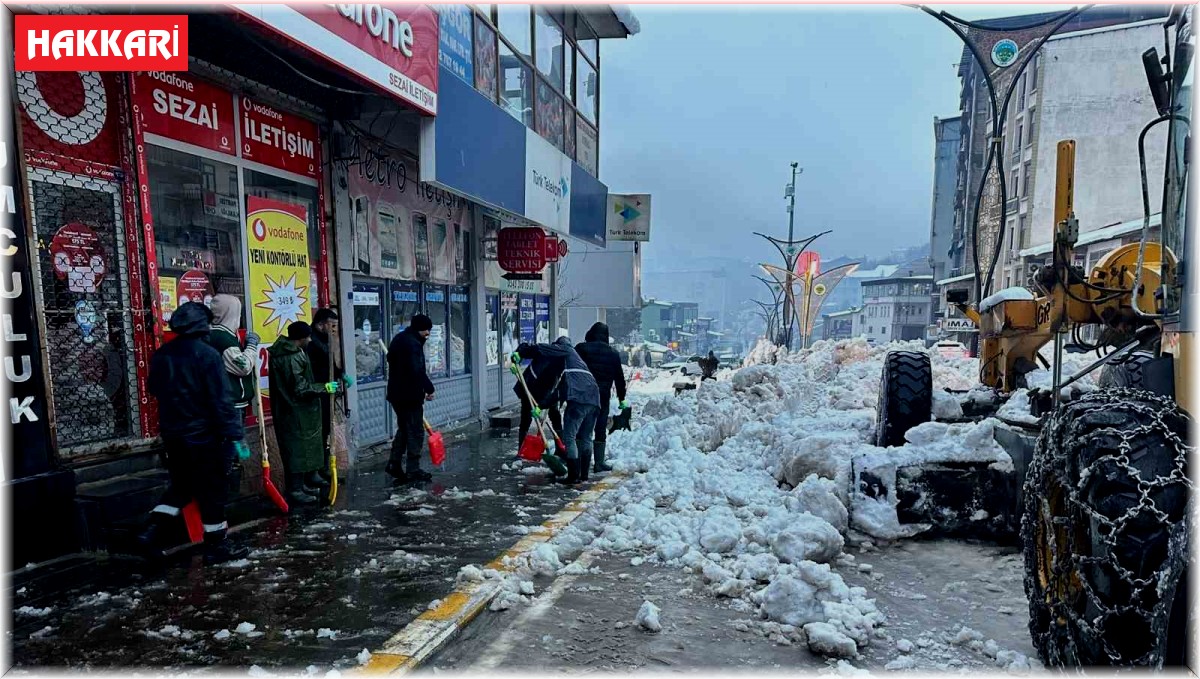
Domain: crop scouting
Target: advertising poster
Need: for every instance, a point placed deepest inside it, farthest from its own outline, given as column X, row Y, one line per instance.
column 493, row 333
column 528, row 319
column 194, row 286
column 78, row 258
column 485, row 60
column 277, row 239
column 510, row 326
column 435, row 349
column 542, row 316
column 167, row 298
column 454, row 40
column 403, row 229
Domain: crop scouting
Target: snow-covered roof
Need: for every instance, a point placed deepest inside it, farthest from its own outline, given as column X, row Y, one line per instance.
column 1005, row 295
column 880, row 271
column 956, row 279
column 847, row 312
column 1098, row 235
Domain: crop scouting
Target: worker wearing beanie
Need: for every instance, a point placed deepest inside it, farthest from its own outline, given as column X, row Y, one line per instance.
column 296, row 407
column 605, row 365
column 408, row 389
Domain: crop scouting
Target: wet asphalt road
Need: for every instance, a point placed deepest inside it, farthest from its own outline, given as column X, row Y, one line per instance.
column 319, row 586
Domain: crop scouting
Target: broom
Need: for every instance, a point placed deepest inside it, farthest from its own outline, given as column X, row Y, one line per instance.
column 527, row 446
column 268, row 485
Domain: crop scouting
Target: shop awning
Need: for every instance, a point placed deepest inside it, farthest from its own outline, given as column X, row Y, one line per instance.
column 1098, row 235
column 955, row 279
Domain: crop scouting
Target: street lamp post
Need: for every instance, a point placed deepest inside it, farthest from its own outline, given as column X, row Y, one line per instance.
column 789, row 192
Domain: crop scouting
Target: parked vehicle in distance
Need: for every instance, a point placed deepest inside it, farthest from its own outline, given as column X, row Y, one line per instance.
column 950, row 349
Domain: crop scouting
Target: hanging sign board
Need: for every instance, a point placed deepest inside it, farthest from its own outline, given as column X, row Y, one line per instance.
column 180, row 107
column 522, row 249
column 273, row 137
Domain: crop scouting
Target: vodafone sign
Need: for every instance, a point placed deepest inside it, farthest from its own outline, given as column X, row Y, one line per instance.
column 394, row 47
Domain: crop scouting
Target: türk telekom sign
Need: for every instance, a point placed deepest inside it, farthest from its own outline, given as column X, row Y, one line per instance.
column 391, row 46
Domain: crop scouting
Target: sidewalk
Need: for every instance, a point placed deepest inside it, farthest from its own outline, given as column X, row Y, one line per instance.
column 319, row 586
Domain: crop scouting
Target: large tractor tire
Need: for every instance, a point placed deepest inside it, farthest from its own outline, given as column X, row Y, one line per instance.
column 1126, row 371
column 905, row 396
column 1105, row 531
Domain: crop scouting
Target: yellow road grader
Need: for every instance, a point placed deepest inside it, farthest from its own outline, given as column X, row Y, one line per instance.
column 1102, row 490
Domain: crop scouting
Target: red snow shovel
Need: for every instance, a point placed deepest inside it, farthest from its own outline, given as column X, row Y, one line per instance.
column 268, row 485
column 437, row 447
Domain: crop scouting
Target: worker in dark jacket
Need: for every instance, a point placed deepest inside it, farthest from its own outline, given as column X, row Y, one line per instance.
column 408, row 389
column 577, row 388
column 605, row 364
column 325, row 322
column 296, row 410
column 201, row 432
column 541, row 376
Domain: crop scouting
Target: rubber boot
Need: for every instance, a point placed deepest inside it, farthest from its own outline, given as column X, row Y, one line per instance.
column 585, row 463
column 217, row 548
column 297, row 494
column 572, row 476
column 153, row 540
column 316, row 485
column 598, row 465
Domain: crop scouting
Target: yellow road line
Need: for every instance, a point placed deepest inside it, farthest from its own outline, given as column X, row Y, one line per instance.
column 406, row 650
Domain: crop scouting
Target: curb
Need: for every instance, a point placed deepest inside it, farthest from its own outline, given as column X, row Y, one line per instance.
column 409, row 648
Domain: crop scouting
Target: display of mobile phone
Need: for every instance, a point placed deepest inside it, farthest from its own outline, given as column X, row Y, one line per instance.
column 362, row 229
column 421, row 244
column 388, row 257
column 438, row 247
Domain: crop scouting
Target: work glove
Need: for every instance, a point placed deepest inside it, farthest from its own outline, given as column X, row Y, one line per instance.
column 537, row 413
column 243, row 451
column 624, row 405
column 252, row 340
column 333, row 387
column 515, row 358
column 348, row 381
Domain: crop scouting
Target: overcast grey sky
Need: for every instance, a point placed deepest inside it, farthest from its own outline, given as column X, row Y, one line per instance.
column 707, row 106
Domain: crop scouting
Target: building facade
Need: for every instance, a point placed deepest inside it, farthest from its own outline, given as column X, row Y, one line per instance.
column 246, row 177
column 839, row 325
column 897, row 308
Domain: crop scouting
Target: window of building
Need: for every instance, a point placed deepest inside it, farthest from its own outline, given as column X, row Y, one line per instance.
column 436, row 345
column 514, row 24
column 587, row 39
column 460, row 330
column 405, row 303
column 569, row 71
column 516, row 86
column 569, row 133
column 1033, row 72
column 549, row 114
column 197, row 227
column 587, row 89
column 487, row 11
column 549, row 43
column 1020, row 134
column 1020, row 232
column 1025, row 180
column 492, row 325
column 369, row 357
column 485, row 60
column 1012, row 186
column 1021, row 97
column 1032, row 126
column 294, row 193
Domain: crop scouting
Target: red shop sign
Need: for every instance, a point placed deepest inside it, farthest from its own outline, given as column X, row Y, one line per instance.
column 391, row 46
column 273, row 137
column 183, row 108
column 522, row 249
column 70, row 120
column 551, row 247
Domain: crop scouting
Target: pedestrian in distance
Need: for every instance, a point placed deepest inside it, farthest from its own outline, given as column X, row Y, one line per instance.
column 577, row 389
column 605, row 365
column 325, row 323
column 201, row 432
column 408, row 389
column 708, row 367
column 296, row 409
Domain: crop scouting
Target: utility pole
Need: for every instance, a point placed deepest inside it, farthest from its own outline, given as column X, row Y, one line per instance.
column 789, row 192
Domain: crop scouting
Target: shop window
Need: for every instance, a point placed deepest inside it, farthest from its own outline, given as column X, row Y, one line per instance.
column 369, row 354
column 486, row 11
column 435, row 346
column 569, row 134
column 516, row 86
column 405, row 303
column 197, row 228
column 513, row 22
column 587, row 89
column 462, row 255
column 485, row 60
column 586, row 146
column 549, row 114
column 460, row 330
column 492, row 350
column 549, row 41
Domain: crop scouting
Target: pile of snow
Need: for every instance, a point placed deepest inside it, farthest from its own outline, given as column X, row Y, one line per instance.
column 647, row 617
